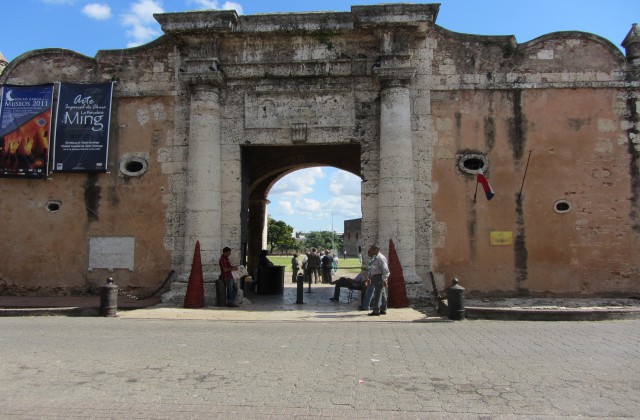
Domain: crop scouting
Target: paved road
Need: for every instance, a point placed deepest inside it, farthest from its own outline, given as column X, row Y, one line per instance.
column 59, row 367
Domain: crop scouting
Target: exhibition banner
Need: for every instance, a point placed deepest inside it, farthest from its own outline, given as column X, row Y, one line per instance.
column 25, row 124
column 81, row 142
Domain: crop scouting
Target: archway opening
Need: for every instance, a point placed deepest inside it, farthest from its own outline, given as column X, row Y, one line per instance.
column 264, row 166
column 315, row 202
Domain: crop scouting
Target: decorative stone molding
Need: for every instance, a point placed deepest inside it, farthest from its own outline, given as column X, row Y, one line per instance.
column 188, row 23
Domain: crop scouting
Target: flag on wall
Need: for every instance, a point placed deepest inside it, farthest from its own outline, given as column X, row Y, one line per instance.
column 485, row 185
column 25, row 124
column 81, row 140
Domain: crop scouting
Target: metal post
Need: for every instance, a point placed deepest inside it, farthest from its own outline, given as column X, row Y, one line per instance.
column 455, row 301
column 300, row 289
column 221, row 293
column 109, row 299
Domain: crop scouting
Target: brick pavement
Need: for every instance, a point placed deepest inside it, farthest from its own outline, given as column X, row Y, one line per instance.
column 60, row 367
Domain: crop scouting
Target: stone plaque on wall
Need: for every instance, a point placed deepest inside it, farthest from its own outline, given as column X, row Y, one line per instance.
column 111, row 253
column 315, row 109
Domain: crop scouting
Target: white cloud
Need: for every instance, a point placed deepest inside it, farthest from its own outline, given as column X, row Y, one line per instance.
column 298, row 183
column 310, row 206
column 307, row 197
column 97, row 11
column 345, row 206
column 345, row 184
column 142, row 26
column 230, row 5
column 286, row 206
column 213, row 4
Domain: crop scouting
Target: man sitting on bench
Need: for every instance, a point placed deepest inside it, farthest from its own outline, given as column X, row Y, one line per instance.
column 360, row 282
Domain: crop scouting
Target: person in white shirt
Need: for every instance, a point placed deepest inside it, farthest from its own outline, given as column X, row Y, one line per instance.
column 379, row 274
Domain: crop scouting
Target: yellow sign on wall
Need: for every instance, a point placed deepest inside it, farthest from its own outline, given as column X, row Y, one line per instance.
column 501, row 237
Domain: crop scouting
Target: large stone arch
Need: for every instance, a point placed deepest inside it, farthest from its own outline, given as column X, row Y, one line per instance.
column 263, row 166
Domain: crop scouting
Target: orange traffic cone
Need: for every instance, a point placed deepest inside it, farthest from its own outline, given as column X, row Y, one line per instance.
column 397, row 291
column 195, row 288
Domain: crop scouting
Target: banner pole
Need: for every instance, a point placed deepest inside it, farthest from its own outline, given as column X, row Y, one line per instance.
column 525, row 175
column 476, row 191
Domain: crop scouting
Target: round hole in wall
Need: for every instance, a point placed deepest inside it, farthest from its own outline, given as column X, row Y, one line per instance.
column 133, row 164
column 473, row 163
column 53, row 206
column 562, row 206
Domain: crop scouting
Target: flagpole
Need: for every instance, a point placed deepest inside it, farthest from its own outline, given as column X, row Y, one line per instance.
column 525, row 174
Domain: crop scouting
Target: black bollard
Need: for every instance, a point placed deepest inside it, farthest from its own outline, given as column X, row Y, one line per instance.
column 455, row 300
column 221, row 293
column 109, row 299
column 300, row 289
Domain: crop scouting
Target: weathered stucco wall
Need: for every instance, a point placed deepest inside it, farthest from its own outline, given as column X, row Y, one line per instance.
column 403, row 97
column 560, row 100
column 48, row 252
column 578, row 154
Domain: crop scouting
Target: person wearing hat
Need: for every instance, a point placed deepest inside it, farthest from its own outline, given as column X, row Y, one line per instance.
column 360, row 282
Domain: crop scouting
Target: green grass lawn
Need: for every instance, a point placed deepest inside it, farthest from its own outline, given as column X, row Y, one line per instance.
column 352, row 265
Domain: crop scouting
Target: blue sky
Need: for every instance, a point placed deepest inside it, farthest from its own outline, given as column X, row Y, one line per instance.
column 307, row 199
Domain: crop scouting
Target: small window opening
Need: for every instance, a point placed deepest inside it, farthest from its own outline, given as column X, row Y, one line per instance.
column 562, row 206
column 473, row 163
column 53, row 206
column 134, row 166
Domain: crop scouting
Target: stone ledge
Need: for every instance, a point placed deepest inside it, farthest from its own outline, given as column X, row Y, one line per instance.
column 548, row 314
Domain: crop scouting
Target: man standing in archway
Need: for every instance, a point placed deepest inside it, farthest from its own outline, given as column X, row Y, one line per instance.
column 313, row 265
column 378, row 273
column 327, row 266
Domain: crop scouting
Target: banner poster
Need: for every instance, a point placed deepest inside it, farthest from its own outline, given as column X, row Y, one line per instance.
column 81, row 140
column 25, row 124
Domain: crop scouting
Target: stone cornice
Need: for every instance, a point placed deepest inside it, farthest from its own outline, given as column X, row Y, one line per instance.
column 200, row 21
column 216, row 79
column 416, row 16
column 396, row 76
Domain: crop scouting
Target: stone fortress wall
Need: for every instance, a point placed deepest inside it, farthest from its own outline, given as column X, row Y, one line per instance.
column 222, row 106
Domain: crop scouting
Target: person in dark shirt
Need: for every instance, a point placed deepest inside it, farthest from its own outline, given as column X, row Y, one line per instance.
column 327, row 266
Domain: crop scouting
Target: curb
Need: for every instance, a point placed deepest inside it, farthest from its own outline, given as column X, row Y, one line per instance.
column 68, row 311
column 517, row 314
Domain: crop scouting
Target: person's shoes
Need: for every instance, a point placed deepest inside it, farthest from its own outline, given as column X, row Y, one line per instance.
column 374, row 314
column 334, row 299
column 360, row 308
column 383, row 312
column 233, row 305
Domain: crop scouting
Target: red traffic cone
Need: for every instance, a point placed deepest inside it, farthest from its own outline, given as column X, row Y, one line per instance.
column 195, row 288
column 397, row 291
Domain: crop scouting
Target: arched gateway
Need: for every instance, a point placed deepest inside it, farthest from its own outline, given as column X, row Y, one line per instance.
column 320, row 89
column 207, row 117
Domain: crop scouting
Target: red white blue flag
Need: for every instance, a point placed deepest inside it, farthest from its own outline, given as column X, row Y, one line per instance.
column 485, row 185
